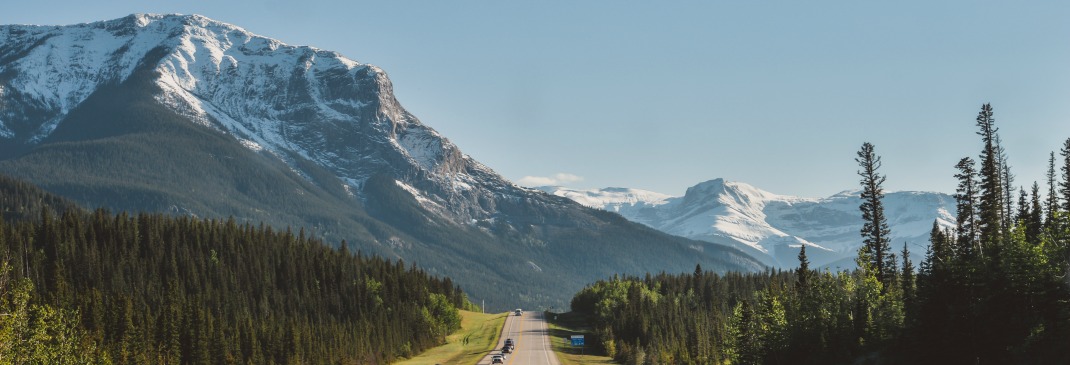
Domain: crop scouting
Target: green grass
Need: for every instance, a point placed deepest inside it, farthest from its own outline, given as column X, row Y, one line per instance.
column 482, row 331
column 564, row 325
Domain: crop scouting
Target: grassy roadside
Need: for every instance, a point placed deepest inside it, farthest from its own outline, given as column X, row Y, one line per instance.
column 564, row 325
column 482, row 331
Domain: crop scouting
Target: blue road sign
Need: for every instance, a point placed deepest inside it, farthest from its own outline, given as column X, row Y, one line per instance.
column 577, row 340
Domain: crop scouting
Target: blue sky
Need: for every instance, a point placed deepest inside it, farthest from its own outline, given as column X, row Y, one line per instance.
column 664, row 95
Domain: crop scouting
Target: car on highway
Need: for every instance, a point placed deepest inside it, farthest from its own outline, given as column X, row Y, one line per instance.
column 518, row 311
column 507, row 349
column 497, row 359
column 509, row 342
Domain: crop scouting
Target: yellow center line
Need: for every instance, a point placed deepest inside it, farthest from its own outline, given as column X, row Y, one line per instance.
column 516, row 342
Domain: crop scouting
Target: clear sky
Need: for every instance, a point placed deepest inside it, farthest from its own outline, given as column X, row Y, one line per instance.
column 661, row 95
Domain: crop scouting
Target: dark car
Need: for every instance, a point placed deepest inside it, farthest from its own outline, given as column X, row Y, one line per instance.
column 507, row 349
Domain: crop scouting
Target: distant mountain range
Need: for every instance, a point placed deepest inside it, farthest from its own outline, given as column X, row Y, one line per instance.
column 188, row 115
column 772, row 227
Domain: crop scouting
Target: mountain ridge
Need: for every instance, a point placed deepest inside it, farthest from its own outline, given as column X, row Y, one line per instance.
column 224, row 77
column 769, row 225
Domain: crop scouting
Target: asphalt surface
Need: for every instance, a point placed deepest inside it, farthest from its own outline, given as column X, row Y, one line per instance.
column 532, row 338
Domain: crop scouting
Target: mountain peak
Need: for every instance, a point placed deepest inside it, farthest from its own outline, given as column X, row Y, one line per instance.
column 262, row 92
column 712, row 182
column 173, row 22
column 727, row 191
column 715, row 186
column 54, row 68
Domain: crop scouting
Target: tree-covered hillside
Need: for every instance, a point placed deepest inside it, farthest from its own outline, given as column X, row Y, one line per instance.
column 101, row 287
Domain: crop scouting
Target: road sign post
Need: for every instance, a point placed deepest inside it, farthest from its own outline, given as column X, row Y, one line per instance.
column 577, row 341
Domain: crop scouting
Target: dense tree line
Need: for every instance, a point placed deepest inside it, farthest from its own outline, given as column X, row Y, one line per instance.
column 79, row 287
column 20, row 200
column 669, row 318
column 993, row 290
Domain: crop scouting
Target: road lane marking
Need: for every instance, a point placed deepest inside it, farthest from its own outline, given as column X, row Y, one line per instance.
column 516, row 343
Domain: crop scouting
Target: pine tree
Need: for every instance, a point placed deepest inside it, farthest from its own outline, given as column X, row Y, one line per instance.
column 802, row 274
column 990, row 197
column 939, row 253
column 1007, row 179
column 875, row 232
column 907, row 281
column 1052, row 205
column 1023, row 207
column 1034, row 224
column 1024, row 210
column 1064, row 186
column 966, row 204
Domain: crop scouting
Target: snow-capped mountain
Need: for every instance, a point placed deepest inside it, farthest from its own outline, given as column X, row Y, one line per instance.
column 770, row 225
column 259, row 90
column 185, row 114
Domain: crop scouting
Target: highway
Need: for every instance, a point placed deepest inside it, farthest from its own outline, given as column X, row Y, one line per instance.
column 532, row 339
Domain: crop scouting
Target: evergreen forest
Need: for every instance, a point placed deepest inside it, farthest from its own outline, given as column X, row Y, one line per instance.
column 992, row 289
column 82, row 287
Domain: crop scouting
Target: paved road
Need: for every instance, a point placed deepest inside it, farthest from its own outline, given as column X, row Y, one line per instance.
column 532, row 339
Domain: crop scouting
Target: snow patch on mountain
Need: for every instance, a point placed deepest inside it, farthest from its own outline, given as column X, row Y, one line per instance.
column 420, row 198
column 251, row 145
column 423, row 147
column 612, row 199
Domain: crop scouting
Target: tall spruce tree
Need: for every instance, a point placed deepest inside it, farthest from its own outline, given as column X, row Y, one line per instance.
column 966, row 205
column 932, row 284
column 940, row 251
column 875, row 232
column 1023, row 207
column 1007, row 217
column 990, row 197
column 1064, row 186
column 1034, row 224
column 1052, row 203
column 906, row 279
column 802, row 274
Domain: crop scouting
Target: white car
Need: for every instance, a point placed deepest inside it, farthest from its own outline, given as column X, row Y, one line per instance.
column 497, row 359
